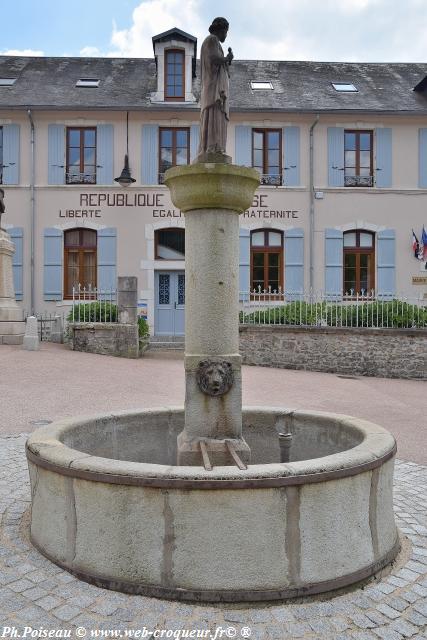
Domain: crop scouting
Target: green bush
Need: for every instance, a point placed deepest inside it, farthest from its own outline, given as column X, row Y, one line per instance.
column 97, row 311
column 392, row 313
column 143, row 327
column 100, row 311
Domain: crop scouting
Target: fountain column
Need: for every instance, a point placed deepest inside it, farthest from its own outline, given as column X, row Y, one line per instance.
column 212, row 195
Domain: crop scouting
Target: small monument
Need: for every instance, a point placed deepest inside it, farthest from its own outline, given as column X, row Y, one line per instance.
column 12, row 326
column 212, row 193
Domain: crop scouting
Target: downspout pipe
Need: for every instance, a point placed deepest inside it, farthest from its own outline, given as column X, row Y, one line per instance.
column 33, row 212
column 311, row 223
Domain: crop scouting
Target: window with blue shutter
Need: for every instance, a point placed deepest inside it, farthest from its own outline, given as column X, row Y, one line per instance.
column 333, row 263
column 335, row 156
column 53, row 252
column 17, row 235
column 294, row 263
column 386, row 263
column 150, row 154
column 56, row 154
column 243, row 145
column 194, row 141
column 107, row 260
column 422, row 155
column 383, row 169
column 11, row 154
column 104, row 154
column 244, row 263
column 291, row 160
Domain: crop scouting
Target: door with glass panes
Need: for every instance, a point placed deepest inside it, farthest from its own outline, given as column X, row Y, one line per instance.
column 170, row 303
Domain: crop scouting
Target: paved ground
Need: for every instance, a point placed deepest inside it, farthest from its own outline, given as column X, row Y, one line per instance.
column 56, row 382
column 36, row 596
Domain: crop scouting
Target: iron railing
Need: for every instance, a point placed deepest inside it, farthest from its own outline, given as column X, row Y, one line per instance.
column 359, row 181
column 46, row 323
column 80, row 178
column 93, row 304
column 319, row 309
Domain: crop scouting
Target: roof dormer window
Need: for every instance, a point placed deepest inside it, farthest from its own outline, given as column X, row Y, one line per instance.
column 175, row 74
column 175, row 53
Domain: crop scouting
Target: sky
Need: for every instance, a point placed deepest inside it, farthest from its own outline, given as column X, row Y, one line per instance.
column 324, row 30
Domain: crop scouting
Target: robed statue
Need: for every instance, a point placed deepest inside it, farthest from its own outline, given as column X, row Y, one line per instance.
column 214, row 98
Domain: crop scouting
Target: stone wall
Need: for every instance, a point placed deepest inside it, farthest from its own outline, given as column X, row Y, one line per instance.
column 105, row 338
column 387, row 353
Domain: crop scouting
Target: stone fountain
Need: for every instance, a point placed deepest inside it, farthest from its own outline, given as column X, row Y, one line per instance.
column 214, row 503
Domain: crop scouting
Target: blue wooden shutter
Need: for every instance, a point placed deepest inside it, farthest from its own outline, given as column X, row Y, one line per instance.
column 243, row 146
column 17, row 235
column 386, row 263
column 53, row 251
column 104, row 154
column 244, row 264
column 11, row 154
column 294, row 264
column 107, row 260
column 422, row 154
column 291, row 159
column 150, row 154
column 194, row 141
column 383, row 174
column 333, row 262
column 56, row 154
column 335, row 156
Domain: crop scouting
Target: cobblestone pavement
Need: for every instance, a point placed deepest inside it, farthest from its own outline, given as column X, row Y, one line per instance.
column 35, row 593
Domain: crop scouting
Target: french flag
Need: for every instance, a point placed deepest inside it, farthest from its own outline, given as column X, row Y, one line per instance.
column 423, row 248
column 415, row 245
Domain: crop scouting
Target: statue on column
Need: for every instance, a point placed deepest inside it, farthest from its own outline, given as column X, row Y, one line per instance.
column 214, row 98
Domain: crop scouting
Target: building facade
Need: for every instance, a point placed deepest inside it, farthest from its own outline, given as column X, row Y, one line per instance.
column 341, row 148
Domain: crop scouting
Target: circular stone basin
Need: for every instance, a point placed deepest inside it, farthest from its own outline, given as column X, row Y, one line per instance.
column 110, row 505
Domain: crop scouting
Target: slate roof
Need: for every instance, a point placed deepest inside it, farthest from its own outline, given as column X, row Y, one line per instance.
column 127, row 83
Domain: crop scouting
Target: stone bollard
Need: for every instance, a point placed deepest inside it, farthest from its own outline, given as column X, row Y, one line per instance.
column 57, row 333
column 127, row 299
column 31, row 338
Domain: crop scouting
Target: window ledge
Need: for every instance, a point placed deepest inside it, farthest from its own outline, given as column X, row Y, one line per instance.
column 371, row 190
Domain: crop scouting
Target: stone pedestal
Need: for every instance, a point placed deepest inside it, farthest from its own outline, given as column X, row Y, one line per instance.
column 12, row 326
column 127, row 299
column 31, row 337
column 212, row 196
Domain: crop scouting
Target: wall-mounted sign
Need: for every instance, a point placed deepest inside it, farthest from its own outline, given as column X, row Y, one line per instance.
column 419, row 279
column 93, row 205
column 261, row 209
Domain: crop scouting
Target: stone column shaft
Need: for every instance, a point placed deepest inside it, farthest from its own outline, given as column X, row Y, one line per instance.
column 212, row 196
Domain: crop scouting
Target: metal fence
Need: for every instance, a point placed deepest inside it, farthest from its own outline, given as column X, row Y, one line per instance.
column 364, row 310
column 47, row 323
column 91, row 304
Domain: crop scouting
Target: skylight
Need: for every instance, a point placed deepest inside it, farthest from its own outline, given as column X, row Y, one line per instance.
column 87, row 82
column 7, row 82
column 261, row 85
column 344, row 87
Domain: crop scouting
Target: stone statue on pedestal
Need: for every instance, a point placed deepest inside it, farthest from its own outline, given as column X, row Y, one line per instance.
column 214, row 99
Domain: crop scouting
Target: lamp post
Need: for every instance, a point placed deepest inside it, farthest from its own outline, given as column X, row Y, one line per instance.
column 125, row 178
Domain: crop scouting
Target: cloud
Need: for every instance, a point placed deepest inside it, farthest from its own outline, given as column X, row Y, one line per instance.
column 21, row 52
column 153, row 17
column 352, row 30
